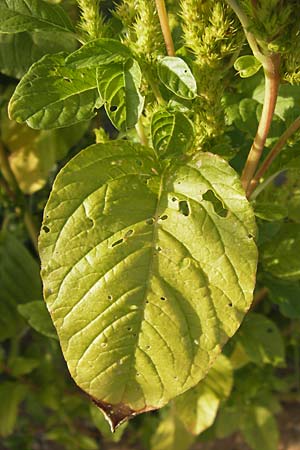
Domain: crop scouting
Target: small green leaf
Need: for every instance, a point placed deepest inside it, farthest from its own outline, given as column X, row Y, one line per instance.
column 33, row 15
column 52, row 95
column 16, row 263
column 280, row 256
column 172, row 132
column 261, row 340
column 197, row 408
column 270, row 211
column 176, row 75
column 99, row 52
column 118, row 86
column 22, row 366
column 171, row 435
column 11, row 395
column 38, row 318
column 260, row 429
column 148, row 260
column 286, row 295
column 247, row 66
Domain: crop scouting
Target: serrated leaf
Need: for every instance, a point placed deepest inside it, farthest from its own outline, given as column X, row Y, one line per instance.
column 118, row 86
column 19, row 51
column 261, row 340
column 247, row 66
column 16, row 263
column 176, row 75
column 11, row 395
column 280, row 256
column 52, row 95
column 171, row 435
column 260, row 429
column 159, row 279
column 37, row 316
column 197, row 408
column 172, row 132
column 33, row 15
column 99, row 52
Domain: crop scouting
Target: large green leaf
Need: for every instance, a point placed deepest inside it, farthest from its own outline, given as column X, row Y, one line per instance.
column 32, row 15
column 176, row 75
column 16, row 263
column 197, row 408
column 20, row 50
column 118, row 86
column 260, row 429
column 144, row 275
column 98, row 52
column 172, row 132
column 52, row 95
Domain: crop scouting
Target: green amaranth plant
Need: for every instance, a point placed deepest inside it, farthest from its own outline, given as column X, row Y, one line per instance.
column 148, row 244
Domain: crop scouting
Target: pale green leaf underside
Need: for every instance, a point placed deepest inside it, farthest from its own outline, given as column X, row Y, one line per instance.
column 247, row 66
column 197, row 408
column 176, row 75
column 32, row 15
column 144, row 280
column 52, row 95
column 99, row 52
column 171, row 132
column 118, row 86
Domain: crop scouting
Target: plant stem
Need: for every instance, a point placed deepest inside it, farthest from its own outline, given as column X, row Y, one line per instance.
column 165, row 27
column 273, row 153
column 272, row 80
column 259, row 296
column 31, row 229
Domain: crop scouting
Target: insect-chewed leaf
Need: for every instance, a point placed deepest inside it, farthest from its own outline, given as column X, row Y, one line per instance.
column 99, row 52
column 176, row 75
column 118, row 86
column 52, row 95
column 145, row 280
column 32, row 15
column 172, row 132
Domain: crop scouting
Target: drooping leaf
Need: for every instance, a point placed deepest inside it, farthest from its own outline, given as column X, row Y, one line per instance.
column 280, row 256
column 261, row 340
column 176, row 75
column 19, row 51
column 270, row 211
column 159, row 279
column 171, row 435
column 99, row 52
column 52, row 95
column 260, row 429
column 37, row 316
column 118, row 86
column 247, row 66
column 11, row 395
column 16, row 263
column 197, row 408
column 171, row 132
column 33, row 15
